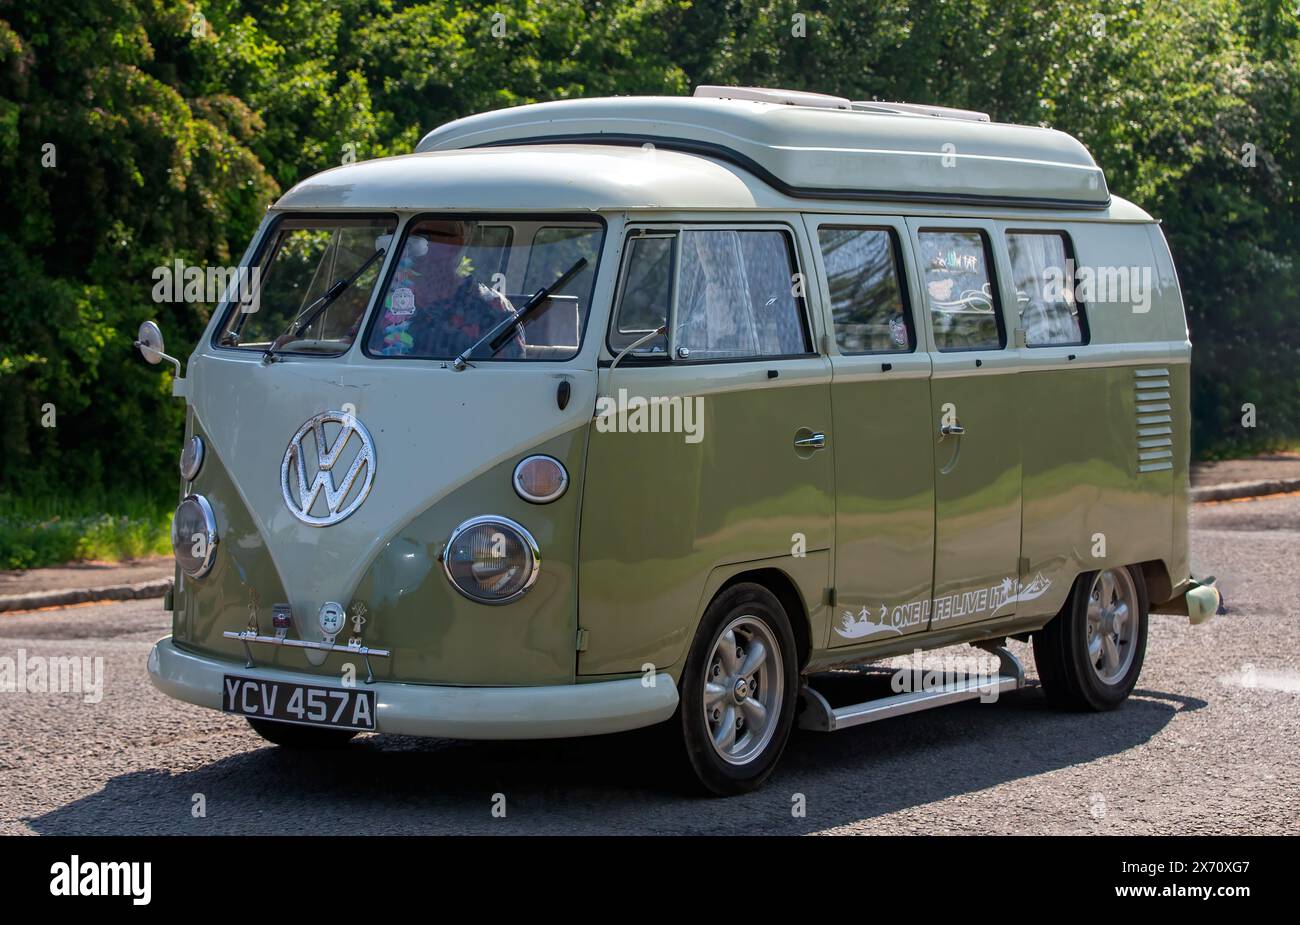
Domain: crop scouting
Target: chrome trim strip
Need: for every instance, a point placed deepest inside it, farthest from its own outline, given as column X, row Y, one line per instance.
column 1010, row 360
column 247, row 636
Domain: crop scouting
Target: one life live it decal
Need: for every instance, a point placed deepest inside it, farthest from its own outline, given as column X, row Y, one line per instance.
column 961, row 605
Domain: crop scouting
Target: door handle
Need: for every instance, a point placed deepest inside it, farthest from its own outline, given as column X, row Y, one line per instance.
column 951, row 430
column 815, row 441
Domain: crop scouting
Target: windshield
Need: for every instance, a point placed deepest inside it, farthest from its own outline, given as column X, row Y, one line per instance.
column 291, row 286
column 457, row 279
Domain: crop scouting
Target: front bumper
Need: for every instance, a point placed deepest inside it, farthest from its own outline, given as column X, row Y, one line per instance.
column 542, row 712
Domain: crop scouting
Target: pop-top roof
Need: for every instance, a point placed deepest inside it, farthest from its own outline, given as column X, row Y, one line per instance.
column 817, row 146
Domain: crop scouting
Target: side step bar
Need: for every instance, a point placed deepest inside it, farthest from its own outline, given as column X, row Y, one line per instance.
column 819, row 716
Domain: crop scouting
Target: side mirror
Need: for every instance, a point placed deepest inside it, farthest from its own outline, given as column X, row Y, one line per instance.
column 149, row 341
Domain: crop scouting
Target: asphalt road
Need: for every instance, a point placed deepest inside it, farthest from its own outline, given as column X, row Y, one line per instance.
column 1207, row 744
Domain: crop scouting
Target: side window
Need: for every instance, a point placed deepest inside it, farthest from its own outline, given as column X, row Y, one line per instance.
column 645, row 296
column 737, row 296
column 1042, row 268
column 864, row 276
column 959, row 290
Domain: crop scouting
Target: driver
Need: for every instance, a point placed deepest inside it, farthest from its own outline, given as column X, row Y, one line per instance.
column 433, row 307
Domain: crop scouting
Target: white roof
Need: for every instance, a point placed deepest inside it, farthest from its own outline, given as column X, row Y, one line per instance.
column 558, row 178
column 567, row 178
column 814, row 149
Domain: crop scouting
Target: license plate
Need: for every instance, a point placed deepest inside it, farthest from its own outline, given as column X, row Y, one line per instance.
column 331, row 707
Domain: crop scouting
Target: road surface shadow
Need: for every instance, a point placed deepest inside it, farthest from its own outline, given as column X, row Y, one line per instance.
column 608, row 784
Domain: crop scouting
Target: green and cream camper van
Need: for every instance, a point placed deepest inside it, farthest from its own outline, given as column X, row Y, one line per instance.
column 600, row 414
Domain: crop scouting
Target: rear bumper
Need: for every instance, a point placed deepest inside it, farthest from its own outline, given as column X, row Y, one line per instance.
column 1202, row 602
column 545, row 712
column 1198, row 601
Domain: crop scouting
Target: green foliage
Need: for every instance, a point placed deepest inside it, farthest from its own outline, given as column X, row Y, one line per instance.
column 112, row 166
column 36, row 532
column 174, row 124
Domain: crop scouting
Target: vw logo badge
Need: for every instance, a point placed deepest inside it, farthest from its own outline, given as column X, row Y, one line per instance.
column 301, row 488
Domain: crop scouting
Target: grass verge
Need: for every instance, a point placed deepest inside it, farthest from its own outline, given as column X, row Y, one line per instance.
column 36, row 532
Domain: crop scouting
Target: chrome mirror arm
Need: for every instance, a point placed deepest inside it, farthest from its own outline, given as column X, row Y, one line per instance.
column 609, row 378
column 164, row 356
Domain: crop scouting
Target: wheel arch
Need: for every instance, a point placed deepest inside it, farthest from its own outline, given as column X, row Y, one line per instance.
column 1159, row 584
column 786, row 591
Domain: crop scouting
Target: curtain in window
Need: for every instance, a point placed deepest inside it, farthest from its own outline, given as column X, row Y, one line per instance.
column 736, row 296
column 1044, row 291
column 711, row 321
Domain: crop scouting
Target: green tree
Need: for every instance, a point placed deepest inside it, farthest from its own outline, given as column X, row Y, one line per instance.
column 109, row 172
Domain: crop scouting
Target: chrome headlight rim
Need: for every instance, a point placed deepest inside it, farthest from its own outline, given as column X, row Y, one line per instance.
column 210, row 535
column 540, row 499
column 535, row 551
column 192, row 457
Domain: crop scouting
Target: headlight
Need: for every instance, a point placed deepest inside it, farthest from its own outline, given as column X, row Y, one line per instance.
column 192, row 458
column 492, row 560
column 540, row 479
column 194, row 536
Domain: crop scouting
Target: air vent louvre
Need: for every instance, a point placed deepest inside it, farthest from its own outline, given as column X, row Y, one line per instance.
column 1155, row 423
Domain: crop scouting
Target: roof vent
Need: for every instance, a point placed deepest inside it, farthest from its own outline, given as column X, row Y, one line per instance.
column 784, row 97
column 921, row 109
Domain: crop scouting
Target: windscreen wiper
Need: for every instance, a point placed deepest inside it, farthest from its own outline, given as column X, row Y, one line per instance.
column 497, row 337
column 312, row 311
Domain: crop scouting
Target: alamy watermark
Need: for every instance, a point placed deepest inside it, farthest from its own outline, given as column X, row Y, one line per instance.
column 76, row 877
column 181, row 282
column 38, row 674
column 657, row 414
column 1095, row 285
column 949, row 672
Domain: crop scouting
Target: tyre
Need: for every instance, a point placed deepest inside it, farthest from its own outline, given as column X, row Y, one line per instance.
column 738, row 691
column 1090, row 655
column 287, row 735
